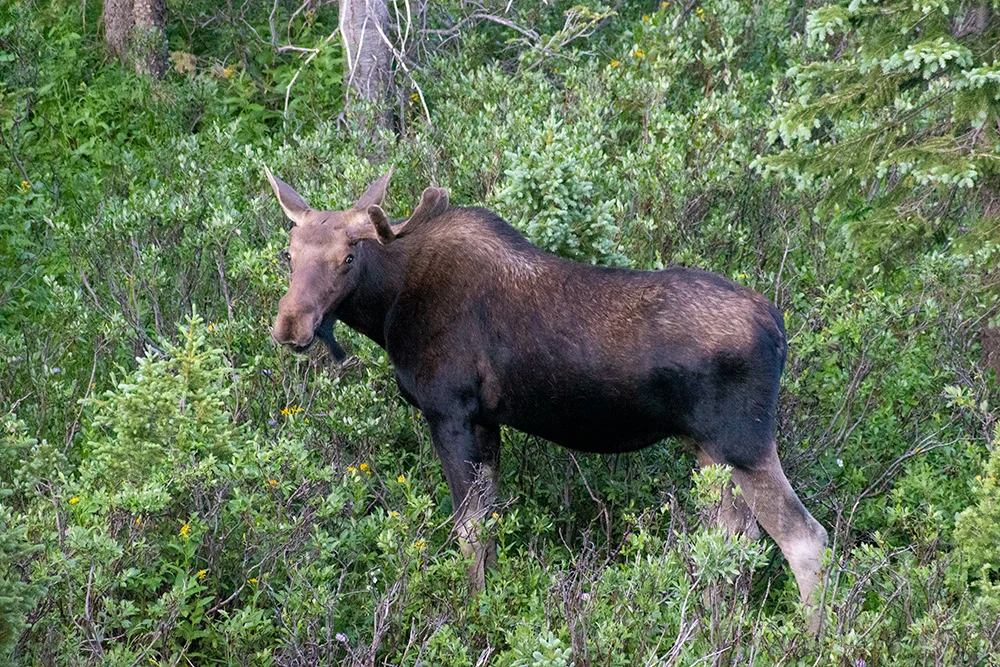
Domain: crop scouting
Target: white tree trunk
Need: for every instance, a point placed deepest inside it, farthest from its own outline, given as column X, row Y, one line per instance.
column 368, row 70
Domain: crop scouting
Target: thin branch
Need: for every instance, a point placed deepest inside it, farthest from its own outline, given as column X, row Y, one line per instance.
column 400, row 59
column 288, row 90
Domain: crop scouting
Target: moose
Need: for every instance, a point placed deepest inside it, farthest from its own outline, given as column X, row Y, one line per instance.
column 484, row 329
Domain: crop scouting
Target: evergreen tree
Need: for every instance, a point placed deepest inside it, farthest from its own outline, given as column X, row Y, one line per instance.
column 892, row 107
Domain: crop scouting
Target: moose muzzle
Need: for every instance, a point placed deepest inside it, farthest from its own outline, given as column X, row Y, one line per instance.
column 295, row 325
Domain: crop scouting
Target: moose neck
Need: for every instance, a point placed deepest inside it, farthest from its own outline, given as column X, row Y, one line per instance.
column 366, row 308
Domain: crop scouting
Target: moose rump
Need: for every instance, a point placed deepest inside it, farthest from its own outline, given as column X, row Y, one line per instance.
column 663, row 369
column 484, row 329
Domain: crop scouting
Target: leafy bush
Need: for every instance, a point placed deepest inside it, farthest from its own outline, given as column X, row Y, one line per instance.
column 548, row 196
column 976, row 530
column 194, row 494
column 171, row 417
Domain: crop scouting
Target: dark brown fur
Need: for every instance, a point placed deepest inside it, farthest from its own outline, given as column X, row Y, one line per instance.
column 484, row 329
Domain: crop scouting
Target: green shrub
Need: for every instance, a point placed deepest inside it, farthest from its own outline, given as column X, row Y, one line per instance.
column 195, row 494
column 20, row 586
column 550, row 198
column 977, row 528
column 169, row 419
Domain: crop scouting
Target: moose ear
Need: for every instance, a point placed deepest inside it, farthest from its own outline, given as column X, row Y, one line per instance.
column 381, row 223
column 292, row 203
column 379, row 229
column 375, row 194
column 433, row 202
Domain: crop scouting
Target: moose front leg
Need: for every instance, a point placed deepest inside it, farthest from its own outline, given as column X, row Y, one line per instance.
column 470, row 456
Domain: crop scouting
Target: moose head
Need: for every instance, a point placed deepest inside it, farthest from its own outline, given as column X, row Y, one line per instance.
column 321, row 252
column 327, row 264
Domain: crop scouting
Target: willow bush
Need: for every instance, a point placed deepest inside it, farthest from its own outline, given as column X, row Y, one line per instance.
column 174, row 488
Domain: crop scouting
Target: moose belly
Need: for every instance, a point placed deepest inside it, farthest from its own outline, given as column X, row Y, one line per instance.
column 598, row 414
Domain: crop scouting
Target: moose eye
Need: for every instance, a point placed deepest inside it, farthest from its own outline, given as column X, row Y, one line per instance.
column 348, row 259
column 285, row 256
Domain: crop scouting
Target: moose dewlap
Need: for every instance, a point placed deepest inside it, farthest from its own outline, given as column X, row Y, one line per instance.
column 485, row 329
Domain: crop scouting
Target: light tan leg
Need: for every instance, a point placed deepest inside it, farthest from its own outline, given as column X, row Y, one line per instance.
column 733, row 511
column 801, row 538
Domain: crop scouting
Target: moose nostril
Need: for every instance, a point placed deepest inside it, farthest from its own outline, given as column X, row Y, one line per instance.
column 276, row 335
column 293, row 331
column 280, row 332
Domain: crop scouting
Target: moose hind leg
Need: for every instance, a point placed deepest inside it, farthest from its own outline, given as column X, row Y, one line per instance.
column 733, row 511
column 780, row 512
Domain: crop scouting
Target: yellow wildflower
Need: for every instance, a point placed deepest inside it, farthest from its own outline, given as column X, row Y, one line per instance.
column 664, row 5
column 401, row 479
column 272, row 482
column 286, row 411
column 639, row 53
column 364, row 467
column 74, row 500
column 646, row 18
column 615, row 63
column 420, row 544
column 185, row 531
column 25, row 186
column 394, row 514
column 211, row 327
column 227, row 72
column 496, row 516
column 252, row 580
column 138, row 520
column 414, row 97
column 351, row 469
column 202, row 574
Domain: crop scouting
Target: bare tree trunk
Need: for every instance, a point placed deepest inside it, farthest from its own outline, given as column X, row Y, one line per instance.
column 971, row 19
column 135, row 31
column 118, row 26
column 368, row 70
